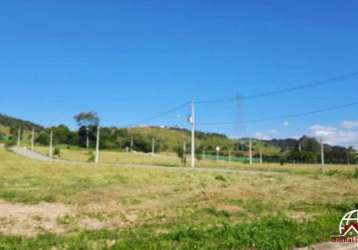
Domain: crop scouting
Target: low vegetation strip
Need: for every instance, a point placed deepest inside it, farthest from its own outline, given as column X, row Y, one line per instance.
column 265, row 233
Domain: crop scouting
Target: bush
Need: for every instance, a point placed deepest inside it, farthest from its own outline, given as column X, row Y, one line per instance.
column 10, row 142
column 2, row 137
column 355, row 174
column 180, row 153
column 57, row 152
column 91, row 156
column 220, row 178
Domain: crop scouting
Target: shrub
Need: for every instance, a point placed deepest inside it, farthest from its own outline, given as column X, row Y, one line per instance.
column 220, row 178
column 181, row 155
column 355, row 174
column 91, row 156
column 10, row 142
column 57, row 152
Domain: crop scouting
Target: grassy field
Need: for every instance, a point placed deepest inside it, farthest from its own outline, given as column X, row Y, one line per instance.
column 104, row 206
column 171, row 159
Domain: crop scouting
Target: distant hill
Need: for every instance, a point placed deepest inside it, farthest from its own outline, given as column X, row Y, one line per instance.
column 168, row 139
column 7, row 122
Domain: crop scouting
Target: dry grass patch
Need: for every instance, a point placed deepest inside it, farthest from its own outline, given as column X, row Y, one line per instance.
column 29, row 220
column 111, row 197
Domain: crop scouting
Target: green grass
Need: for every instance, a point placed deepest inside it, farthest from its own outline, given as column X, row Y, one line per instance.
column 171, row 160
column 265, row 233
column 142, row 208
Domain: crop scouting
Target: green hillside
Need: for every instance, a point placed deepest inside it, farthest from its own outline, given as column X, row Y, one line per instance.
column 7, row 122
column 10, row 125
column 172, row 139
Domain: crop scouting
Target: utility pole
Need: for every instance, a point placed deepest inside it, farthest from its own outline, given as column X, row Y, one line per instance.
column 217, row 153
column 184, row 153
column 97, row 145
column 322, row 155
column 229, row 156
column 19, row 137
column 87, row 137
column 348, row 157
column 250, row 151
column 184, row 147
column 192, row 121
column 153, row 146
column 33, row 139
column 131, row 149
column 260, row 155
column 50, row 148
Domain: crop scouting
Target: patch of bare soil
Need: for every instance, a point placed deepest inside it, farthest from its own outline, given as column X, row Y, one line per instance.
column 230, row 208
column 299, row 216
column 29, row 220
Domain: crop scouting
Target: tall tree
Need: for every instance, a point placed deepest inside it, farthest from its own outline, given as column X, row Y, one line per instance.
column 86, row 120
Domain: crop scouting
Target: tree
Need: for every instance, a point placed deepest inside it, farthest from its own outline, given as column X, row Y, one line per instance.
column 86, row 120
column 43, row 138
column 2, row 137
column 61, row 134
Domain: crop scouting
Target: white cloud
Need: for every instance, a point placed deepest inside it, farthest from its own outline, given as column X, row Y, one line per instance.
column 266, row 135
column 262, row 136
column 323, row 131
column 335, row 136
column 285, row 123
column 349, row 124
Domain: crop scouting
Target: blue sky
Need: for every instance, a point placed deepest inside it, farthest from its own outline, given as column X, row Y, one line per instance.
column 129, row 60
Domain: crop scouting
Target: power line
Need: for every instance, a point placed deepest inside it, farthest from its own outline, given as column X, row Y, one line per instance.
column 165, row 113
column 250, row 97
column 282, row 91
column 332, row 108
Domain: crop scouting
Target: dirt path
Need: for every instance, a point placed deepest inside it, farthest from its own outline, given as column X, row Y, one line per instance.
column 31, row 154
column 27, row 153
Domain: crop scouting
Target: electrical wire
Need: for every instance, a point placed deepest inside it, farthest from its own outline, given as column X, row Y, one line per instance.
column 289, row 116
column 282, row 91
column 165, row 113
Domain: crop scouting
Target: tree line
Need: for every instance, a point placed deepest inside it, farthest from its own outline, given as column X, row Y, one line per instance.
column 171, row 139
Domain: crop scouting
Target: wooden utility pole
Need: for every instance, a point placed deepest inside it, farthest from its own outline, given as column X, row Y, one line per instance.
column 260, row 155
column 229, row 156
column 50, row 148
